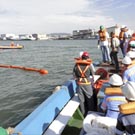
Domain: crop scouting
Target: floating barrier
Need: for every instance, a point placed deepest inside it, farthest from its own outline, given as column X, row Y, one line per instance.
column 41, row 71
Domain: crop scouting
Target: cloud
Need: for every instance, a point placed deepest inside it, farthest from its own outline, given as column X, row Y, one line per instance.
column 49, row 16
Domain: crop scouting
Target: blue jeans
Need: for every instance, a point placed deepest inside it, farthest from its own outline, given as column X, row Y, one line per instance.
column 105, row 53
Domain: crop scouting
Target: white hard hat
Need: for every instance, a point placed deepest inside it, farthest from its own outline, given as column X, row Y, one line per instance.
column 115, row 80
column 129, row 90
column 124, row 27
column 126, row 60
column 81, row 53
column 131, row 54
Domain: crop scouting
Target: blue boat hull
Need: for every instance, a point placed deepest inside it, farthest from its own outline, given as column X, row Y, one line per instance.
column 39, row 120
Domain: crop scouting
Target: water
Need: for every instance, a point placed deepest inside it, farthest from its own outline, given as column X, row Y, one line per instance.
column 22, row 91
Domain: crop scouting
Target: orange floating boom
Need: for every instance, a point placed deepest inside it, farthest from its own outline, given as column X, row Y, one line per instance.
column 41, row 71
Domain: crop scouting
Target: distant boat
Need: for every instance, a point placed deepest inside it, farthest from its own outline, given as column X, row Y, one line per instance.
column 11, row 46
column 21, row 37
column 26, row 37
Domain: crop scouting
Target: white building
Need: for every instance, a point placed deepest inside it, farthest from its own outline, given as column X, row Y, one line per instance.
column 42, row 37
column 116, row 30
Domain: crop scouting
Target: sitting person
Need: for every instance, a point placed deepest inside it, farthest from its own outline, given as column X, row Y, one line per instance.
column 113, row 97
column 128, row 73
column 12, row 44
column 126, row 119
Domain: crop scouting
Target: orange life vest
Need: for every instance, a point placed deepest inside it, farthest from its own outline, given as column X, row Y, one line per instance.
column 121, row 35
column 113, row 91
column 83, row 79
column 102, row 35
column 127, row 108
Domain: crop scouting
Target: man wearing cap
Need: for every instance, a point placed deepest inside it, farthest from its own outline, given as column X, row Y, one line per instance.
column 113, row 97
column 103, row 42
column 129, row 70
column 123, row 37
column 114, row 52
column 82, row 72
column 126, row 121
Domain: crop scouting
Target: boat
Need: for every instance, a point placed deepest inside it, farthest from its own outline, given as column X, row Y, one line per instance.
column 11, row 47
column 52, row 116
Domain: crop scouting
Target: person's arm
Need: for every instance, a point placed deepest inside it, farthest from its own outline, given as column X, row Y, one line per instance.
column 92, row 69
column 104, row 105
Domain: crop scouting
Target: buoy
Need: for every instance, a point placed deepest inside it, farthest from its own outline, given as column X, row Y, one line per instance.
column 41, row 71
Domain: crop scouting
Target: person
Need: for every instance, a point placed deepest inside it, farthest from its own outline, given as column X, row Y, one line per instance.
column 113, row 97
column 128, row 73
column 12, row 44
column 131, row 55
column 103, row 42
column 126, row 122
column 131, row 43
column 115, row 48
column 123, row 37
column 82, row 73
column 7, row 131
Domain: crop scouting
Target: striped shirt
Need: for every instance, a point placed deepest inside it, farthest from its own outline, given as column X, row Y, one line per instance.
column 129, row 74
column 125, row 124
column 111, row 103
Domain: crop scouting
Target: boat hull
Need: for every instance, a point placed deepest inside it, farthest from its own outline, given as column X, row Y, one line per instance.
column 40, row 119
column 11, row 47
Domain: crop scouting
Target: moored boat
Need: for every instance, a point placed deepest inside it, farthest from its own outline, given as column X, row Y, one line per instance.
column 11, row 47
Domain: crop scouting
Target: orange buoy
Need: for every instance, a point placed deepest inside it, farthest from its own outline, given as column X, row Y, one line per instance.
column 41, row 71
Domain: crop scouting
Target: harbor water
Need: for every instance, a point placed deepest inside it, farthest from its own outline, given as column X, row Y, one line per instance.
column 22, row 91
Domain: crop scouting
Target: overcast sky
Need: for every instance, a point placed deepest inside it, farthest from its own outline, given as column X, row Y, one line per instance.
column 54, row 16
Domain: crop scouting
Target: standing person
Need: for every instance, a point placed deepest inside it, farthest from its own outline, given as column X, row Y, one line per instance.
column 123, row 37
column 103, row 42
column 113, row 97
column 115, row 46
column 82, row 72
column 126, row 122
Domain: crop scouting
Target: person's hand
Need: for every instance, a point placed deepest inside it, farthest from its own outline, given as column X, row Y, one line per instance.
column 98, row 46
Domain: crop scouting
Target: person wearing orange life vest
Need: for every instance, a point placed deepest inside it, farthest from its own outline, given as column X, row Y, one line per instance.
column 113, row 97
column 103, row 42
column 123, row 37
column 81, row 73
column 126, row 121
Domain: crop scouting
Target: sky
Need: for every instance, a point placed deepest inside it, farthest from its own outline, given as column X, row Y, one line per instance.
column 63, row 16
